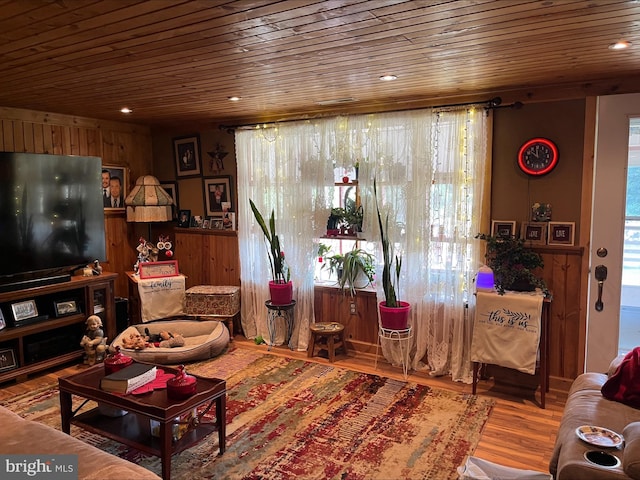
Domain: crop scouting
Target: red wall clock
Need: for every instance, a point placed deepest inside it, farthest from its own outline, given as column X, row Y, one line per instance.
column 538, row 156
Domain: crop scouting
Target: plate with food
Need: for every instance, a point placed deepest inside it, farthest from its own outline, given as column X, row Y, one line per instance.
column 599, row 436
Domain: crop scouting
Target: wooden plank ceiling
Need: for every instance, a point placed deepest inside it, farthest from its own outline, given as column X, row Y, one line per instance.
column 175, row 61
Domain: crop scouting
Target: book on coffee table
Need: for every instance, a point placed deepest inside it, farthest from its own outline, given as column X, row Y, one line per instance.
column 129, row 378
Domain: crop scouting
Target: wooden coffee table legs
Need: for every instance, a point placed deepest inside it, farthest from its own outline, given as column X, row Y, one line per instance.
column 65, row 412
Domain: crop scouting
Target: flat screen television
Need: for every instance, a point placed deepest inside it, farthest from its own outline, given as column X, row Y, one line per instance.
column 51, row 217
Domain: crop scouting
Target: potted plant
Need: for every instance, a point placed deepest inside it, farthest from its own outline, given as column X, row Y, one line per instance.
column 334, row 264
column 513, row 264
column 357, row 270
column 280, row 287
column 353, row 213
column 335, row 221
column 394, row 314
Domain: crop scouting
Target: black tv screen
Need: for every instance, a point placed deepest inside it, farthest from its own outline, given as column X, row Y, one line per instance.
column 51, row 214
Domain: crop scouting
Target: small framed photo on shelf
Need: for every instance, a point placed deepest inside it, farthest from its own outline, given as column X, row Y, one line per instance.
column 217, row 193
column 503, row 228
column 534, row 232
column 114, row 187
column 167, row 268
column 196, row 221
column 229, row 221
column 7, row 359
column 184, row 218
column 172, row 189
column 205, row 223
column 24, row 310
column 216, row 224
column 65, row 307
column 541, row 212
column 561, row 233
column 3, row 322
column 187, row 156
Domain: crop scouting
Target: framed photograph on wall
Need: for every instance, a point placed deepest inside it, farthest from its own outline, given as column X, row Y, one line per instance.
column 561, row 233
column 217, row 191
column 172, row 189
column 114, row 187
column 503, row 228
column 534, row 232
column 187, row 156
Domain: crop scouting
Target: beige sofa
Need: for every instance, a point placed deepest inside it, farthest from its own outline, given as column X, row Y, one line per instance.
column 20, row 436
column 586, row 406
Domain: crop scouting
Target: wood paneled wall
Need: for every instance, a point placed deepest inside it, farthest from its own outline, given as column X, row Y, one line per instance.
column 562, row 273
column 208, row 257
column 120, row 144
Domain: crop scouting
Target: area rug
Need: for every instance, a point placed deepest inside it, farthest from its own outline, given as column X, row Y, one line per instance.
column 291, row 419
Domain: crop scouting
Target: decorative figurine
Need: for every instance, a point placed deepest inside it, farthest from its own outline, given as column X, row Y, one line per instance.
column 97, row 268
column 94, row 341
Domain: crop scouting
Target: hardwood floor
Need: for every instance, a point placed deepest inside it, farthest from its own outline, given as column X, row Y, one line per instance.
column 518, row 434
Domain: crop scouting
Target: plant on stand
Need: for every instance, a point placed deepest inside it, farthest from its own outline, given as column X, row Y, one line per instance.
column 514, row 265
column 280, row 286
column 394, row 314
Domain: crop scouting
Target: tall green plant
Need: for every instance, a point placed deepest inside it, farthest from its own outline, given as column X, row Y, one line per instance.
column 391, row 262
column 279, row 271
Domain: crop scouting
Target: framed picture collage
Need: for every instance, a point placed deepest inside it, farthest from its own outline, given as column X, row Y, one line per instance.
column 540, row 230
column 218, row 195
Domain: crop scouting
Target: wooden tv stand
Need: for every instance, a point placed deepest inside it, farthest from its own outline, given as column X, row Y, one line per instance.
column 53, row 341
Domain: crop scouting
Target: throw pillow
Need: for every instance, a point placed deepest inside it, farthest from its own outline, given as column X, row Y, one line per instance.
column 631, row 456
column 624, row 385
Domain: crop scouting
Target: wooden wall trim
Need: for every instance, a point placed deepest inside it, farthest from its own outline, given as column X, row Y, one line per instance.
column 588, row 158
column 50, row 118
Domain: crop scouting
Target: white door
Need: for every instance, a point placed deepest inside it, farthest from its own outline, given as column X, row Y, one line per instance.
column 607, row 230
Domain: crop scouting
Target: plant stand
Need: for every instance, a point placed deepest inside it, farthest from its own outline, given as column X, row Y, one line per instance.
column 403, row 338
column 285, row 312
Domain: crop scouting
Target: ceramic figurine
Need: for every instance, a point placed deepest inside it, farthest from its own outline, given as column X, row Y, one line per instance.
column 94, row 341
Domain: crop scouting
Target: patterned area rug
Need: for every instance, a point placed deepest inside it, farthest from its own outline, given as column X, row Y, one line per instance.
column 290, row 419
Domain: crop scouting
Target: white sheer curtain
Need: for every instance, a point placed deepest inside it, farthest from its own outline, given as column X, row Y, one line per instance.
column 432, row 170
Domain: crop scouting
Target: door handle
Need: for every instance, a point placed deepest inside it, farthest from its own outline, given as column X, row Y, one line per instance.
column 601, row 276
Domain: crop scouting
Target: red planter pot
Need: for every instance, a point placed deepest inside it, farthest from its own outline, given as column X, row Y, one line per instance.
column 281, row 293
column 396, row 318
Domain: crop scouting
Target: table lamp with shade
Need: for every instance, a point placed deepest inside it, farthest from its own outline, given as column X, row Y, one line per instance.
column 148, row 202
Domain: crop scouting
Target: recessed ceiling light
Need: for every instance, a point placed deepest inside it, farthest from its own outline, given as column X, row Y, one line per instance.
column 620, row 45
column 126, row 110
column 235, row 99
column 388, row 78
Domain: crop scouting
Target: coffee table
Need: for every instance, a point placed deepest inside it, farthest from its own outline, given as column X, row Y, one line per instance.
column 134, row 429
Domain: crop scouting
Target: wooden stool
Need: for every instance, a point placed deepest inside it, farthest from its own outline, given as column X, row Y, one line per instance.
column 329, row 335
